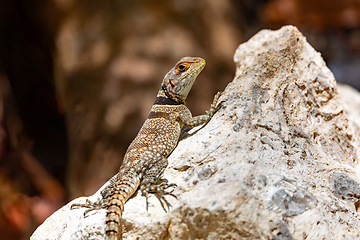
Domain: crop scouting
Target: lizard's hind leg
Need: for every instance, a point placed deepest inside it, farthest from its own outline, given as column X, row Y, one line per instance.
column 101, row 203
column 159, row 190
column 152, row 183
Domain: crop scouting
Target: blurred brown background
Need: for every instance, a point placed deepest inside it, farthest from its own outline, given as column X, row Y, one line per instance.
column 77, row 79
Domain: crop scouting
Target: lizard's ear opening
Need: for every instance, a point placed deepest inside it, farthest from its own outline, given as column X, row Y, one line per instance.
column 172, row 84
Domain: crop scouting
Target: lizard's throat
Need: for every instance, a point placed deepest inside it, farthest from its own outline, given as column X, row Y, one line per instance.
column 172, row 96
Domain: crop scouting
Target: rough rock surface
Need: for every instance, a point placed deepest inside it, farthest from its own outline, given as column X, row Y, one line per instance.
column 351, row 100
column 280, row 160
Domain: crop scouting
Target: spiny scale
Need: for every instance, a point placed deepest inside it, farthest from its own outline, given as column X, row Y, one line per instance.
column 146, row 158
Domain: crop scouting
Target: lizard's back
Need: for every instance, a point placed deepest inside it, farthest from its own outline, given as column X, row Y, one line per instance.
column 156, row 139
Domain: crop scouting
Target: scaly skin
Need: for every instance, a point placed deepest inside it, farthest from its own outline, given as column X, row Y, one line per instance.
column 146, row 158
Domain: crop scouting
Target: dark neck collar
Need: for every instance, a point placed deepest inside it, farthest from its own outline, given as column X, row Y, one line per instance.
column 168, row 100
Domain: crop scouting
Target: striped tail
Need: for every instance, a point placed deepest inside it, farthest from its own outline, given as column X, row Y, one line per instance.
column 122, row 191
column 113, row 217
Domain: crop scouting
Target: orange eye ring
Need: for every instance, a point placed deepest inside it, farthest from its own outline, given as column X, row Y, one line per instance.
column 182, row 67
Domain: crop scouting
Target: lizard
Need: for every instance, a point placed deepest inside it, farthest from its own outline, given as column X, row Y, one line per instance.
column 146, row 158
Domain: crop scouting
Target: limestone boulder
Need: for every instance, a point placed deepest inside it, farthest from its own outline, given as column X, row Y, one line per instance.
column 279, row 160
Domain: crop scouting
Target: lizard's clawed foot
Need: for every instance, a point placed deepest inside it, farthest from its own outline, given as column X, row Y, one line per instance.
column 102, row 203
column 215, row 105
column 159, row 190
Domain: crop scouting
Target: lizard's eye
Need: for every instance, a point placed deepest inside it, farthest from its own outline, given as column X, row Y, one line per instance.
column 182, row 67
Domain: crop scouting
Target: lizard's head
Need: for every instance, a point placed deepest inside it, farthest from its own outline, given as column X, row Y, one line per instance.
column 179, row 80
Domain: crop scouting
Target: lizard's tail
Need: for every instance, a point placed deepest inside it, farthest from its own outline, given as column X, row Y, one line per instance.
column 122, row 191
column 113, row 217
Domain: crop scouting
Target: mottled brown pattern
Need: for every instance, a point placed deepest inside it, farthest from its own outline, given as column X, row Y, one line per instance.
column 146, row 158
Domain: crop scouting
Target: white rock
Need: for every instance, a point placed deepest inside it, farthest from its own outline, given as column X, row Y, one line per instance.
column 280, row 160
column 351, row 101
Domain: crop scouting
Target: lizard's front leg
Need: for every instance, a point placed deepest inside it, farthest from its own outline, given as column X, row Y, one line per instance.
column 190, row 121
